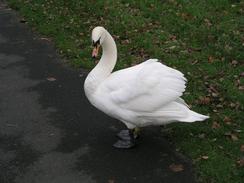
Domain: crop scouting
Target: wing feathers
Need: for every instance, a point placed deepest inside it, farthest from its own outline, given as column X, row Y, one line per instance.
column 145, row 87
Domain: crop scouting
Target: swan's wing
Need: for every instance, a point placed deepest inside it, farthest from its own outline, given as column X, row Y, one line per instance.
column 145, row 87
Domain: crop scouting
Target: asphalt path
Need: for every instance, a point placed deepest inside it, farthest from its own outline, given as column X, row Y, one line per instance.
column 49, row 133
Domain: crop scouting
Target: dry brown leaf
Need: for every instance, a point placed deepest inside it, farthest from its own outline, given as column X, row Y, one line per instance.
column 219, row 106
column 242, row 148
column 234, row 62
column 186, row 16
column 227, row 120
column 240, row 162
column 213, row 88
column 195, row 62
column 45, row 39
column 204, row 157
column 232, row 105
column 51, row 79
column 234, row 137
column 201, row 136
column 210, row 59
column 176, row 167
column 172, row 47
column 221, row 147
column 126, row 41
column 172, row 37
column 215, row 125
column 241, row 88
column 214, row 94
column 207, row 22
column 204, row 100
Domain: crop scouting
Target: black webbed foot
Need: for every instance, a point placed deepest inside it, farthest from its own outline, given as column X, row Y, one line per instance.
column 124, row 144
column 125, row 134
column 127, row 139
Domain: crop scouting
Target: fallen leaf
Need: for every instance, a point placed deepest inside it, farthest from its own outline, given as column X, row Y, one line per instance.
column 227, row 120
column 195, row 62
column 212, row 88
column 204, row 100
column 214, row 94
column 126, row 41
column 201, row 136
column 207, row 22
column 242, row 148
column 221, row 99
column 228, row 47
column 215, row 125
column 194, row 49
column 232, row 105
column 51, row 79
column 210, row 59
column 172, row 37
column 204, row 157
column 44, row 38
column 241, row 88
column 215, row 110
column 111, row 181
column 172, row 47
column 221, row 147
column 234, row 137
column 186, row 16
column 219, row 106
column 238, row 82
column 240, row 162
column 237, row 130
column 176, row 167
column 22, row 20
column 234, row 62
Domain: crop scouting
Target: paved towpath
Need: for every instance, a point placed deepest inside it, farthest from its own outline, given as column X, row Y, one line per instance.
column 49, row 133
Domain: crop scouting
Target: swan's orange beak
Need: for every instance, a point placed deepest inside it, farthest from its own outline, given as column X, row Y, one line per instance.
column 95, row 51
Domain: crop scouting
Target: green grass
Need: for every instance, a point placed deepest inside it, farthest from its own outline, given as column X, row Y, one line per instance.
column 201, row 38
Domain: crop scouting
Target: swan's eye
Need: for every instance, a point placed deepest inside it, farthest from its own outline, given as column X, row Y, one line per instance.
column 95, row 44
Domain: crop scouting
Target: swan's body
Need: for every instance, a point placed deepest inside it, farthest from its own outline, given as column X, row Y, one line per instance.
column 142, row 95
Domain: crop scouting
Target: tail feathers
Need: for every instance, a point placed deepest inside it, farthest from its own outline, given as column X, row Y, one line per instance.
column 193, row 116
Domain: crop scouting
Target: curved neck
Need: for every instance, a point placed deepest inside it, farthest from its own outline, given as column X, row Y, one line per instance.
column 109, row 56
column 106, row 64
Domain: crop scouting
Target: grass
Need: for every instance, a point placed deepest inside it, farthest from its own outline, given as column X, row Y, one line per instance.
column 202, row 38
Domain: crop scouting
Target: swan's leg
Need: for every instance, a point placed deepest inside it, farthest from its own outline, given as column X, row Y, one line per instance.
column 137, row 132
column 128, row 141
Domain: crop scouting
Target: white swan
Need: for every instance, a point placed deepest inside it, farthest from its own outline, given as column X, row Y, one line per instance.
column 142, row 95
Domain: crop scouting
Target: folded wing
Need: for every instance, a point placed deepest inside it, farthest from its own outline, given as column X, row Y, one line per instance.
column 145, row 87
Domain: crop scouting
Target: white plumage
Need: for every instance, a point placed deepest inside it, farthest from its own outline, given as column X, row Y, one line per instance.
column 142, row 95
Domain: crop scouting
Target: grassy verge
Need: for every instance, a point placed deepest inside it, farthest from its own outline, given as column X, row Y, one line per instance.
column 203, row 39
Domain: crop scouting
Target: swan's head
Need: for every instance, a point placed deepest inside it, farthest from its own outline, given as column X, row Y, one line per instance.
column 98, row 37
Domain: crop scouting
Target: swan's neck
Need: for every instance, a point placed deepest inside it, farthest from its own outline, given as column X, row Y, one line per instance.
column 105, row 66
